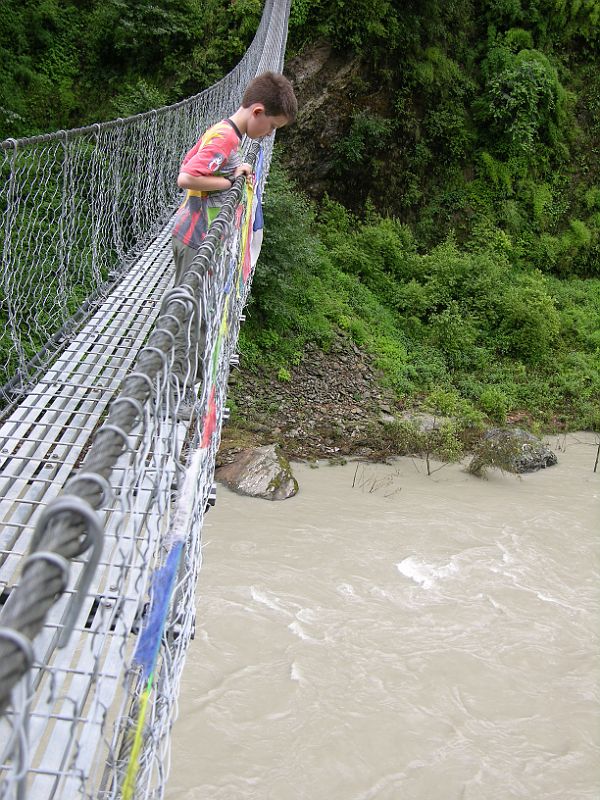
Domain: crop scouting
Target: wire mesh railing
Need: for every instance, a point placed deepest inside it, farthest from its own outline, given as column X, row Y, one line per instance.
column 78, row 207
column 101, row 552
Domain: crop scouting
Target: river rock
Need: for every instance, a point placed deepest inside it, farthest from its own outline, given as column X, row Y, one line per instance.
column 425, row 423
column 260, row 472
column 527, row 452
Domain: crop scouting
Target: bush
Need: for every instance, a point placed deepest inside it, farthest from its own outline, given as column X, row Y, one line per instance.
column 524, row 104
column 494, row 453
column 357, row 147
column 529, row 323
column 442, row 442
column 453, row 335
column 495, row 404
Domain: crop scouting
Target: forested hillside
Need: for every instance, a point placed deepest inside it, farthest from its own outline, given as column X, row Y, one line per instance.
column 452, row 149
column 438, row 199
column 70, row 62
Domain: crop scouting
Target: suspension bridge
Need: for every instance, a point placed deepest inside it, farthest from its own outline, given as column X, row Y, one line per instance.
column 103, row 482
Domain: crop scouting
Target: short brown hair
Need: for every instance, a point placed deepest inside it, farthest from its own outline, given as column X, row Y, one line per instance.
column 276, row 94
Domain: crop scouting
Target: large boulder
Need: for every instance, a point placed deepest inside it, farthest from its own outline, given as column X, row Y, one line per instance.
column 260, row 472
column 513, row 450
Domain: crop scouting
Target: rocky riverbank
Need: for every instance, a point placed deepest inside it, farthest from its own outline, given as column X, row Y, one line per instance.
column 334, row 405
column 331, row 405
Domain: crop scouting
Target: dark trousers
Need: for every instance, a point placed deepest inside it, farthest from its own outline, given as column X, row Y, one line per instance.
column 191, row 341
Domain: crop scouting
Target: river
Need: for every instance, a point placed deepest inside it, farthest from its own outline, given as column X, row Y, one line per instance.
column 403, row 638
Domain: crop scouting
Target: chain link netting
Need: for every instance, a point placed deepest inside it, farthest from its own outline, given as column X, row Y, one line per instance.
column 111, row 563
column 78, row 207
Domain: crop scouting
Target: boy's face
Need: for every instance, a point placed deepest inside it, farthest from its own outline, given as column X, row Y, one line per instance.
column 262, row 124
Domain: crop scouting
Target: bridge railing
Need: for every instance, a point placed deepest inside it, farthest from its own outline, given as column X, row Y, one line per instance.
column 99, row 610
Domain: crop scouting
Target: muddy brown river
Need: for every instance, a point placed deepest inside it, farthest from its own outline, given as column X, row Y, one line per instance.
column 403, row 638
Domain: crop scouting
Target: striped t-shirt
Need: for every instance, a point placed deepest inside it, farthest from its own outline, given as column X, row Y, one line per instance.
column 217, row 153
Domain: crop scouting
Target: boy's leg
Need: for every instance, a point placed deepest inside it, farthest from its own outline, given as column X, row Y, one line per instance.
column 193, row 345
column 183, row 257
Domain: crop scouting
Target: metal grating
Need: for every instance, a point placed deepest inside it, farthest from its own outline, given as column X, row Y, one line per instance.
column 41, row 443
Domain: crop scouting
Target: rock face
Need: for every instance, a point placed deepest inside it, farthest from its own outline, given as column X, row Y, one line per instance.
column 329, row 407
column 260, row 472
column 334, row 91
column 321, row 81
column 522, row 451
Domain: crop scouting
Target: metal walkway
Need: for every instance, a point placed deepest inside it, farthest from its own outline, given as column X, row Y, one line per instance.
column 41, row 443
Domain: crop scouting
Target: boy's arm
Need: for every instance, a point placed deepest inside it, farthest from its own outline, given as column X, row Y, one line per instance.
column 203, row 183
column 210, row 183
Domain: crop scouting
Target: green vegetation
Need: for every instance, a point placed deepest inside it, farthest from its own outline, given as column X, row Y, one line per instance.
column 466, row 254
column 444, row 442
column 461, row 328
column 494, row 453
column 472, row 118
column 66, row 63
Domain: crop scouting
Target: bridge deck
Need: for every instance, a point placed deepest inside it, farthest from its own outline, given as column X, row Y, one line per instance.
column 41, row 442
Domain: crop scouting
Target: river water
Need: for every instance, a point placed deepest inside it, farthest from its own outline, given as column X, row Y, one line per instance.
column 405, row 638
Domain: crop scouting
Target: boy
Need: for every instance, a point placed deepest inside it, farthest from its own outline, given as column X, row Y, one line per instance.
column 211, row 166
column 208, row 172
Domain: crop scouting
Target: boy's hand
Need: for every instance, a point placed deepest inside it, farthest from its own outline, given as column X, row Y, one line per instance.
column 243, row 169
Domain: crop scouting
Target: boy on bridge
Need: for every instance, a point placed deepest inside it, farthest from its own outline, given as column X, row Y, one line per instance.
column 211, row 166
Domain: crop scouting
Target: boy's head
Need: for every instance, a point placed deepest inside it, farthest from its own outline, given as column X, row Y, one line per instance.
column 270, row 103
